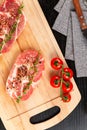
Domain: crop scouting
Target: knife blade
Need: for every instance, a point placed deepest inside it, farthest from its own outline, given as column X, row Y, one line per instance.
column 80, row 16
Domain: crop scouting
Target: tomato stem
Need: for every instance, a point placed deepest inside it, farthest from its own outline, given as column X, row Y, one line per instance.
column 61, row 92
column 62, row 69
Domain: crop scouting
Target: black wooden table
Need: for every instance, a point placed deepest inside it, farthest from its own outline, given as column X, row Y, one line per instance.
column 77, row 120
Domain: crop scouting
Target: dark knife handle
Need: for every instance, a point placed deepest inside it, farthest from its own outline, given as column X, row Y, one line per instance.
column 80, row 14
column 45, row 115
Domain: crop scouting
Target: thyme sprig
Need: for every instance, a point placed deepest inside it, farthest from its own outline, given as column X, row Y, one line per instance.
column 20, row 8
column 18, row 99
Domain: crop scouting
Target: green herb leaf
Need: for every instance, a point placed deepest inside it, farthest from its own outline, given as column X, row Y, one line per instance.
column 24, row 92
column 35, row 68
column 20, row 8
column 27, row 87
column 7, row 37
column 30, row 82
column 1, row 44
column 0, row 47
column 13, row 28
column 18, row 99
column 36, row 61
column 30, row 77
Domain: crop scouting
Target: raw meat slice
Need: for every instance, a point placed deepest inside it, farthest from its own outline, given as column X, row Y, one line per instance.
column 12, row 23
column 25, row 73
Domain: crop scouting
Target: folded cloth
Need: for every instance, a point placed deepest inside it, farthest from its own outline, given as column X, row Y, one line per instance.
column 69, row 50
column 61, row 22
column 69, row 41
column 67, row 24
column 80, row 46
column 59, row 5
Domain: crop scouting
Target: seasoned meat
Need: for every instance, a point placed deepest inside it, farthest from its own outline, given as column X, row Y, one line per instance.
column 26, row 71
column 12, row 22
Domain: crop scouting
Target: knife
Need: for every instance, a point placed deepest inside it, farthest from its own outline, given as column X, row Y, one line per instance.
column 80, row 16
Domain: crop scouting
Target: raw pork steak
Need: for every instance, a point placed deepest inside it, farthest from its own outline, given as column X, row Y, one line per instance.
column 25, row 73
column 12, row 22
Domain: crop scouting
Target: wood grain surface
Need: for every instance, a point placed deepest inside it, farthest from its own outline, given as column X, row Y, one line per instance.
column 37, row 34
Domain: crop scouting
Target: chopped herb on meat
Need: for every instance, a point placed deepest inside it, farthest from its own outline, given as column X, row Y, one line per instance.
column 8, row 35
column 14, row 26
column 20, row 8
column 18, row 99
column 30, row 82
column 36, row 61
column 25, row 75
column 0, row 47
column 27, row 87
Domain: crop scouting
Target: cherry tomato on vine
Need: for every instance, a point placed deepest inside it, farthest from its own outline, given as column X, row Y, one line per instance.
column 66, row 97
column 55, row 81
column 67, row 86
column 56, row 63
column 67, row 74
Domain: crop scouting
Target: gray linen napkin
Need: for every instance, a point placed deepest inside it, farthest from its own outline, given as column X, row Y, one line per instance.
column 69, row 42
column 80, row 46
column 69, row 50
column 59, row 5
column 72, row 51
column 61, row 2
column 61, row 22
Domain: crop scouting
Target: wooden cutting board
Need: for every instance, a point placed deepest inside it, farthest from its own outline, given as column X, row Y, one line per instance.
column 37, row 34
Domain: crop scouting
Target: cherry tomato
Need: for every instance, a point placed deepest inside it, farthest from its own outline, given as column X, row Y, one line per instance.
column 55, row 81
column 56, row 63
column 67, row 74
column 66, row 97
column 67, row 86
